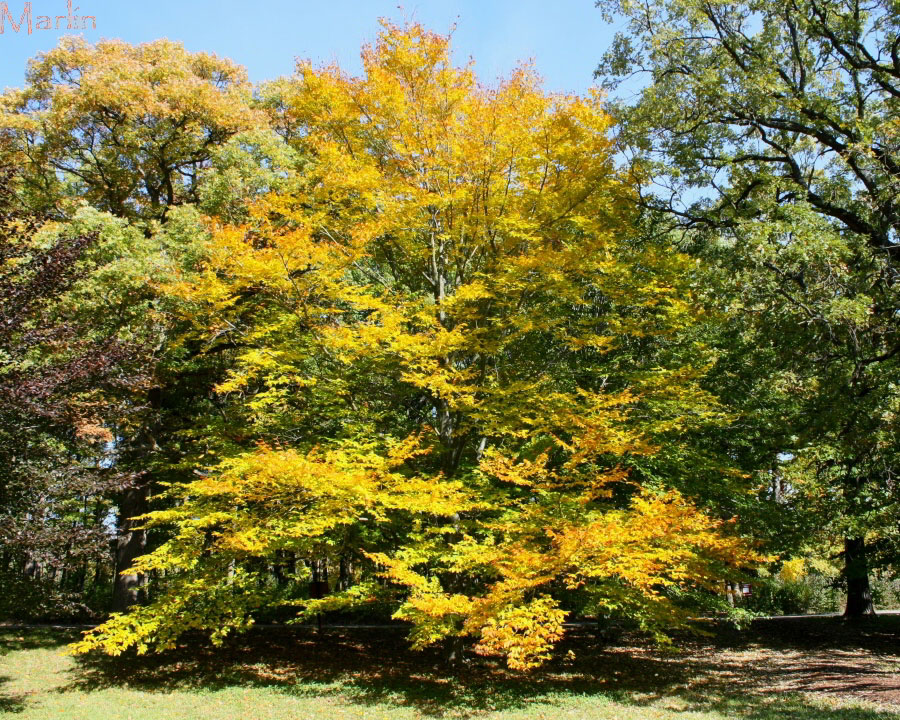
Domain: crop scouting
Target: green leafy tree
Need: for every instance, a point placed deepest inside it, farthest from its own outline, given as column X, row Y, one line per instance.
column 766, row 134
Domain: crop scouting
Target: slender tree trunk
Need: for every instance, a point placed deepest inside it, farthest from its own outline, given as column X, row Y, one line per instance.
column 277, row 568
column 98, row 573
column 32, row 568
column 130, row 544
column 856, row 572
column 320, row 584
column 344, row 574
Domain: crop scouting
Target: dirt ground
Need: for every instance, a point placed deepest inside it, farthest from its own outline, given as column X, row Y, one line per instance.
column 819, row 656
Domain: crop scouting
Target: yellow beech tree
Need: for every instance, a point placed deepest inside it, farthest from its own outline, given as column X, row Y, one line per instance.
column 452, row 346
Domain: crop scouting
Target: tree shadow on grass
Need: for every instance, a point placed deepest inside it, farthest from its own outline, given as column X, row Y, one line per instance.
column 370, row 667
column 10, row 703
column 15, row 638
column 33, row 637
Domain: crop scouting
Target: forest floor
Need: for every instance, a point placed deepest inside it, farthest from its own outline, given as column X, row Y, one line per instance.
column 785, row 669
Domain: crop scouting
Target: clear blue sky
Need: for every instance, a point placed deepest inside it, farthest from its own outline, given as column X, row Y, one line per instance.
column 565, row 38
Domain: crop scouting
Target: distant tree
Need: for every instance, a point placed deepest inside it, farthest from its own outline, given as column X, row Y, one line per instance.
column 128, row 128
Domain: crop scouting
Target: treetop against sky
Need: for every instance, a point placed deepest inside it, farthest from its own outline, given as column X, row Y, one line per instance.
column 564, row 38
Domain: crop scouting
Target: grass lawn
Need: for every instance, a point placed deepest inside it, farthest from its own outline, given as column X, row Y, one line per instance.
column 809, row 669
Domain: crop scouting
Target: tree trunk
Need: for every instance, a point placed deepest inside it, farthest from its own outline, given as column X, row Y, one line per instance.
column 856, row 572
column 131, row 543
column 456, row 651
column 32, row 566
column 344, row 574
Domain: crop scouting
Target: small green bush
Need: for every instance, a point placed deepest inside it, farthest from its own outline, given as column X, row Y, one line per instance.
column 813, row 593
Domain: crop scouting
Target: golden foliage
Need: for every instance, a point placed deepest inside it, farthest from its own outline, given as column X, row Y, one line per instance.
column 444, row 313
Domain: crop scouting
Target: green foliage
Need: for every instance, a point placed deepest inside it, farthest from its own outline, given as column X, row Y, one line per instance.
column 776, row 596
column 766, row 141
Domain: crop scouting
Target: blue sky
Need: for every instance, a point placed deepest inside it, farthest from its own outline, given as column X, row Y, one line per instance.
column 565, row 38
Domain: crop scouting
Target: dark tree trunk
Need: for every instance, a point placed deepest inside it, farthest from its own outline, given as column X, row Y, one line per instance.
column 456, row 651
column 98, row 572
column 130, row 544
column 32, row 567
column 856, row 572
column 320, row 585
column 344, row 574
column 277, row 568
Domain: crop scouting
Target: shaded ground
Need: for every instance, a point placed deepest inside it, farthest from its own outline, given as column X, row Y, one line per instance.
column 825, row 657
column 798, row 669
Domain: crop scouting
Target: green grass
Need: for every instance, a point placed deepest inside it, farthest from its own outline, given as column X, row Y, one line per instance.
column 807, row 671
